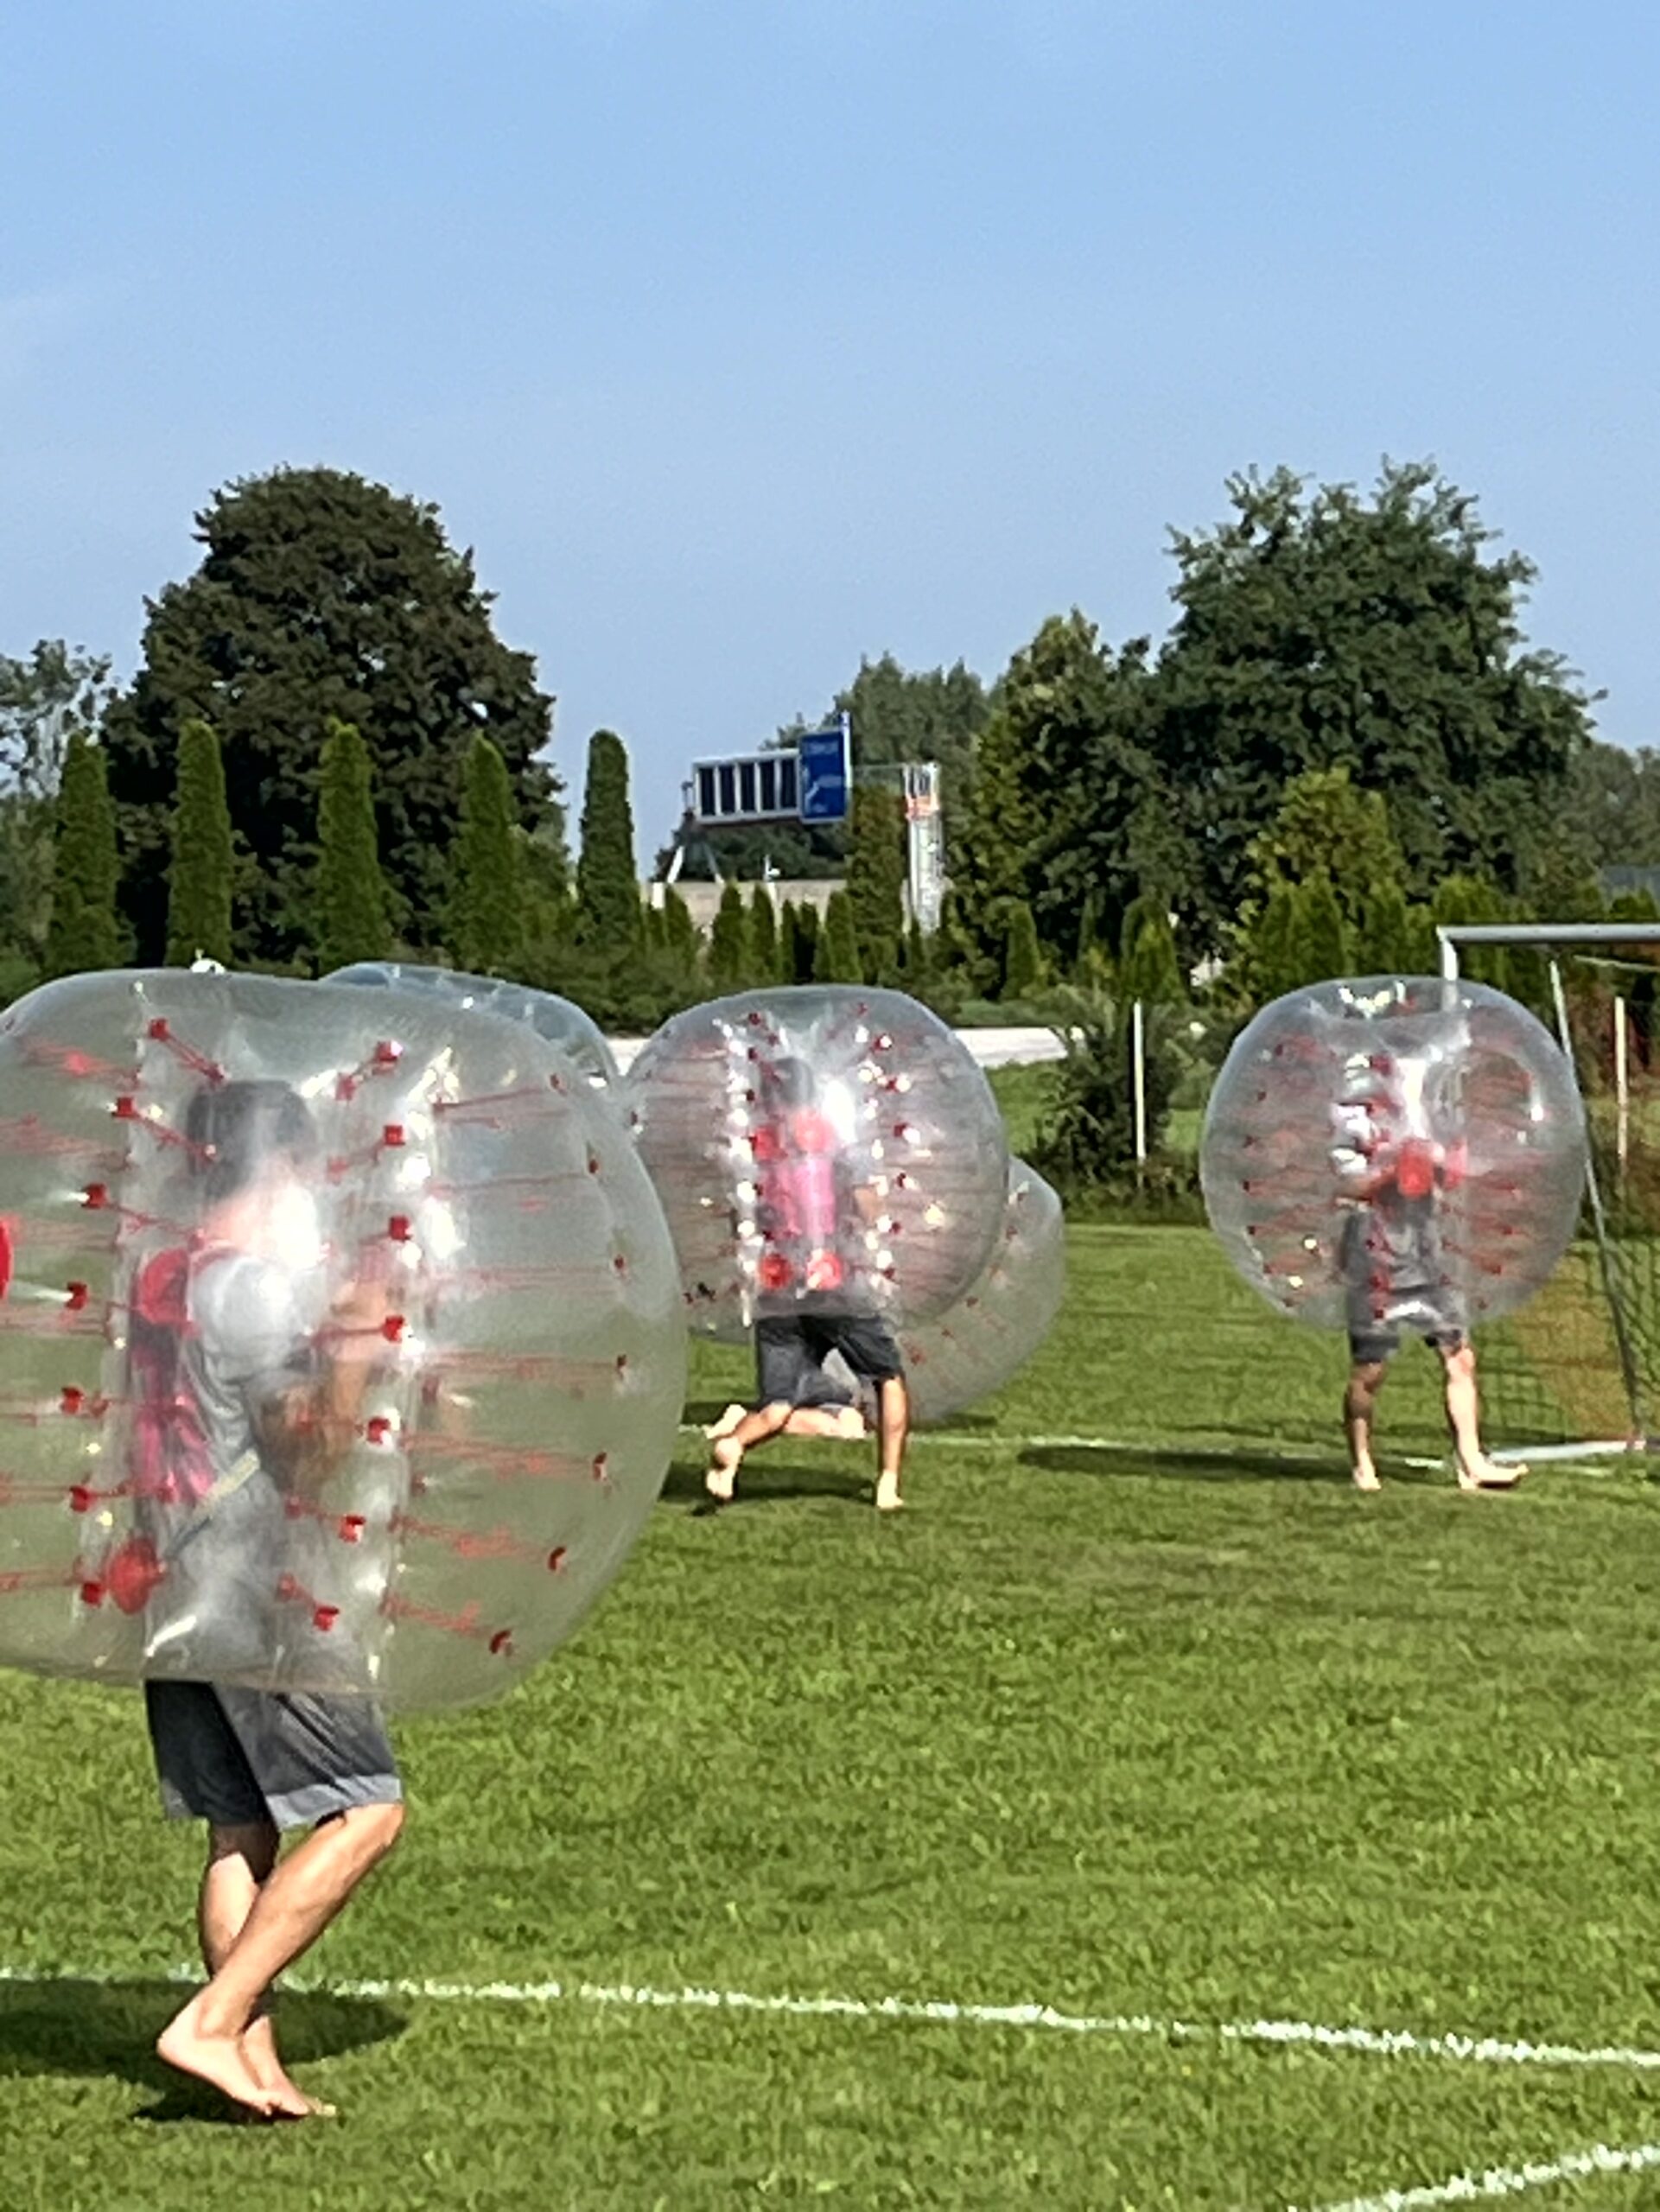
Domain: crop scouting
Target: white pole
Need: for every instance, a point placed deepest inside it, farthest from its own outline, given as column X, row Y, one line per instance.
column 1622, row 1088
column 1138, row 1063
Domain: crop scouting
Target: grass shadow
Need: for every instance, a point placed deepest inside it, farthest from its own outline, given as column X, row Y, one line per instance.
column 764, row 1482
column 102, row 2029
column 1212, row 1463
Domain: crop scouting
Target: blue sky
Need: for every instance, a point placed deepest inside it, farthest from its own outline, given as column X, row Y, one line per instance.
column 742, row 337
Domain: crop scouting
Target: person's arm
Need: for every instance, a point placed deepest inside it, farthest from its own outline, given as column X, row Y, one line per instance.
column 309, row 1427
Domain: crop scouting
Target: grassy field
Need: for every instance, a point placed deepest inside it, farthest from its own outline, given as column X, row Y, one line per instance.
column 1139, row 1713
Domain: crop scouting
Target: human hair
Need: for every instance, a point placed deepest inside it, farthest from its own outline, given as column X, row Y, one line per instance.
column 234, row 1129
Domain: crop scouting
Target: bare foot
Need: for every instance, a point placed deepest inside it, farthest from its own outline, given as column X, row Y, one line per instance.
column 1366, row 1478
column 726, row 1424
column 1490, row 1474
column 887, row 1494
column 216, row 2059
column 289, row 2100
column 722, row 1471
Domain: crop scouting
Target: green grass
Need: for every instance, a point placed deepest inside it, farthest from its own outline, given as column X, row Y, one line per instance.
column 1172, row 1723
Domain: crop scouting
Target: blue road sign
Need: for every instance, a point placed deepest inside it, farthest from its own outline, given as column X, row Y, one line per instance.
column 822, row 758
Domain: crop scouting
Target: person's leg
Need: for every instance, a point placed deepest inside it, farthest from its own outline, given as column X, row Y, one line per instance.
column 893, row 1428
column 1476, row 1470
column 290, row 1911
column 1360, row 1409
column 240, row 1860
column 727, row 1452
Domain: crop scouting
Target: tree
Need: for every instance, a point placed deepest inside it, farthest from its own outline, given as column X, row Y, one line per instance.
column 875, row 879
column 607, row 887
column 835, row 956
column 731, row 961
column 1323, row 941
column 1326, row 826
column 797, row 942
column 1067, row 799
column 679, row 930
column 1149, row 968
column 1321, row 630
column 1611, row 808
column 84, row 930
column 1274, row 964
column 763, row 935
column 351, row 900
column 321, row 594
column 201, row 879
column 1023, row 971
column 1385, row 943
column 486, row 908
column 44, row 699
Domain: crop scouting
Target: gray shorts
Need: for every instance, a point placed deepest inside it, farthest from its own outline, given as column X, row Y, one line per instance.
column 790, row 1355
column 238, row 1758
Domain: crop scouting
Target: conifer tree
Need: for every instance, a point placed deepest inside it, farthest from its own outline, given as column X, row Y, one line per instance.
column 763, row 936
column 679, row 930
column 875, row 879
column 835, row 956
column 84, row 932
column 351, row 922
column 607, row 888
column 486, row 907
column 200, row 876
column 1323, row 941
column 1022, row 958
column 730, row 958
column 1148, row 966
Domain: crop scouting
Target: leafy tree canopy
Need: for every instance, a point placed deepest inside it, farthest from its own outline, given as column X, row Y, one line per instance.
column 1320, row 629
column 321, row 595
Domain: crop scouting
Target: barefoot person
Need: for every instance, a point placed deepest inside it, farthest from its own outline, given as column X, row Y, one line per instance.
column 266, row 1419
column 1393, row 1265
column 796, row 1395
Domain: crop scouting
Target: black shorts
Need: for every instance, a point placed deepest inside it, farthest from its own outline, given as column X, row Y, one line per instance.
column 790, row 1355
column 238, row 1757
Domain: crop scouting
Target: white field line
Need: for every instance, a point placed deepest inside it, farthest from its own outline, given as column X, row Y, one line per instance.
column 1217, row 1448
column 1508, row 2181
column 1374, row 2042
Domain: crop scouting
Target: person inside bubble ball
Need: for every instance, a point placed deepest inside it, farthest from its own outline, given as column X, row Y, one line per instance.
column 262, row 1415
column 800, row 1205
column 1391, row 1257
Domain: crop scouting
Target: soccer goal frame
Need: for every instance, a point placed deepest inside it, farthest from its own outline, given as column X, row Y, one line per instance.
column 1548, row 939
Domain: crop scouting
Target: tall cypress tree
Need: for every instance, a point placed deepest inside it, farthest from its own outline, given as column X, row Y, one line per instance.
column 763, row 936
column 679, row 930
column 835, row 957
column 608, row 889
column 350, row 920
column 731, row 958
column 486, row 907
column 1148, row 968
column 1022, row 955
column 876, row 878
column 1323, row 940
column 83, row 931
column 201, row 877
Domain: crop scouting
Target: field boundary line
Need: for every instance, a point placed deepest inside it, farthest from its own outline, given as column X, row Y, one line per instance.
column 1207, row 1445
column 1508, row 2181
column 1373, row 2043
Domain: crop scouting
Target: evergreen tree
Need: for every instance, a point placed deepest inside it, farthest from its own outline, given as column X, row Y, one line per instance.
column 320, row 594
column 763, row 936
column 798, row 943
column 607, row 887
column 1322, row 939
column 1274, row 964
column 679, row 930
column 1022, row 955
column 918, row 964
column 653, row 932
column 350, row 910
column 1384, row 938
column 835, row 956
column 201, row 878
column 486, row 906
column 1149, row 968
column 84, row 932
column 875, row 879
column 1476, row 899
column 731, row 961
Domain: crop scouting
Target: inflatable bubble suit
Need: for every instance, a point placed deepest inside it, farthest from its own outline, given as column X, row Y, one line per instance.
column 985, row 1339
column 1395, row 1153
column 823, row 1148
column 340, row 1342
column 576, row 1034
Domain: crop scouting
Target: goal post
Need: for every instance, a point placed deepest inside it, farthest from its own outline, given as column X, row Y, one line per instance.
column 1576, row 1372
